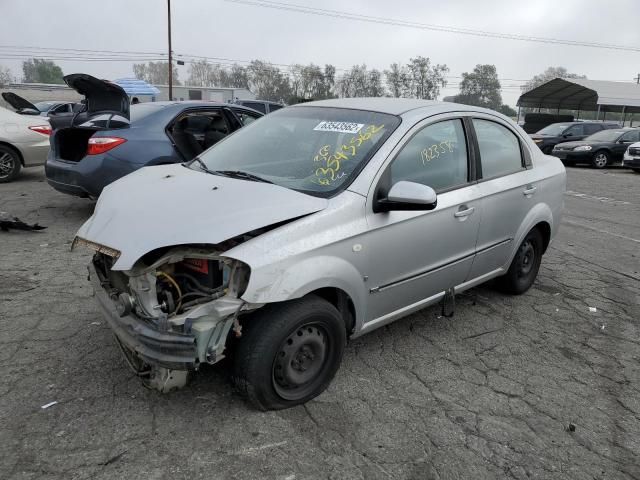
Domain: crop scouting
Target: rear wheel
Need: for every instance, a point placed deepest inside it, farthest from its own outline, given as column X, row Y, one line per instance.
column 600, row 159
column 289, row 353
column 9, row 164
column 525, row 265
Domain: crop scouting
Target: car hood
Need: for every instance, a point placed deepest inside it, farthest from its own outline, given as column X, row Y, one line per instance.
column 573, row 144
column 170, row 205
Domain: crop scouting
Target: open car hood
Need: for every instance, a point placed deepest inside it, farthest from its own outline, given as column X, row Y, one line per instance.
column 20, row 104
column 171, row 205
column 102, row 97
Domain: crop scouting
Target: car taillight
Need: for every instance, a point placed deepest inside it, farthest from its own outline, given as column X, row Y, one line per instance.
column 43, row 129
column 99, row 145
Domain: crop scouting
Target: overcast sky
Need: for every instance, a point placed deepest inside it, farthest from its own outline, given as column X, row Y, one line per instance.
column 215, row 28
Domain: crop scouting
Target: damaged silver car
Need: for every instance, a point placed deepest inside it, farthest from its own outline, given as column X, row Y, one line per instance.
column 315, row 224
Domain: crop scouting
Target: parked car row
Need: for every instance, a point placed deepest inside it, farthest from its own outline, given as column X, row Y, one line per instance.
column 598, row 144
column 86, row 155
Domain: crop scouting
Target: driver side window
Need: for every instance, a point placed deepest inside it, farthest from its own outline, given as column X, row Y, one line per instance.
column 436, row 156
column 631, row 136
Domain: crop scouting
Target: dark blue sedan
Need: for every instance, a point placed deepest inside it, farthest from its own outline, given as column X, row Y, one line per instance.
column 110, row 138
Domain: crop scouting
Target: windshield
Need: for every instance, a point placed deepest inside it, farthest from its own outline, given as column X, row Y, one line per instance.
column 554, row 129
column 604, row 136
column 316, row 150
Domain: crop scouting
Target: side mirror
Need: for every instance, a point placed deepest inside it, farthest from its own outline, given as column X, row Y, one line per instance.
column 567, row 135
column 407, row 196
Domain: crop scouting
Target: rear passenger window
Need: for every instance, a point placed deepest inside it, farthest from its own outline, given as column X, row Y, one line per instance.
column 499, row 149
column 591, row 128
column 436, row 156
column 256, row 106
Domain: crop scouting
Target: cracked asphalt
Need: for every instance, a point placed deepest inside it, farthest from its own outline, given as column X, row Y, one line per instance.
column 489, row 393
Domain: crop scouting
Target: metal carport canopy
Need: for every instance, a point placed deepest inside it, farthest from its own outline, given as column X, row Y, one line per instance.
column 580, row 94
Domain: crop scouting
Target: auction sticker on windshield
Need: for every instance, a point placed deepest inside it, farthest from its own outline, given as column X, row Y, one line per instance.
column 339, row 127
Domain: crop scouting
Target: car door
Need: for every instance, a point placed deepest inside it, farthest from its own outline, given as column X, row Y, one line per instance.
column 507, row 193
column 416, row 255
column 623, row 143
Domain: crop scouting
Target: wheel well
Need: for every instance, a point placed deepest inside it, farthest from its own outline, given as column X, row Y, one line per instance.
column 545, row 229
column 11, row 147
column 342, row 301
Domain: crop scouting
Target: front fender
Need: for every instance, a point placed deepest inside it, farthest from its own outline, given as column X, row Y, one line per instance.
column 275, row 283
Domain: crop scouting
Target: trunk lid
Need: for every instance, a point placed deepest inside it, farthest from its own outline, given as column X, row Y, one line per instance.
column 102, row 98
column 22, row 106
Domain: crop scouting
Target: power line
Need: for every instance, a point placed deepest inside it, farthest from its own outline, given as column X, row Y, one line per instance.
column 425, row 26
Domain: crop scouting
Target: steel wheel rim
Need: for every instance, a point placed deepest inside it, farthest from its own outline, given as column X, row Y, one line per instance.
column 6, row 165
column 601, row 160
column 527, row 258
column 300, row 362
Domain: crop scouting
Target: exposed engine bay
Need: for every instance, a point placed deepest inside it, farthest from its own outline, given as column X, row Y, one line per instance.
column 176, row 310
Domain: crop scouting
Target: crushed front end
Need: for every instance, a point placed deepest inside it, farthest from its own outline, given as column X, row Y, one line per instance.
column 173, row 312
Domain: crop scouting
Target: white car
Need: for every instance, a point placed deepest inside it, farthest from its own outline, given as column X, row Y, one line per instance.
column 631, row 157
column 24, row 142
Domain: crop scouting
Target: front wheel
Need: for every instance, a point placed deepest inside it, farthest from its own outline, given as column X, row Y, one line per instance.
column 600, row 159
column 289, row 353
column 9, row 164
column 525, row 265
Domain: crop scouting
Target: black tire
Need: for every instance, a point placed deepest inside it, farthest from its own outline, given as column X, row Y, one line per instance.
column 600, row 159
column 289, row 352
column 637, row 170
column 525, row 265
column 9, row 164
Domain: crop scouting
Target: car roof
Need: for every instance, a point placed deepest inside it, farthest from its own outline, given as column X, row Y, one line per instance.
column 394, row 106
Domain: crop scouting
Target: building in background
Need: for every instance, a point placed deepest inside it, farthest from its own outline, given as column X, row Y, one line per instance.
column 40, row 92
column 214, row 94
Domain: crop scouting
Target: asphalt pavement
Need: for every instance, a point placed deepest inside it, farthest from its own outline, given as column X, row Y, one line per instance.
column 543, row 386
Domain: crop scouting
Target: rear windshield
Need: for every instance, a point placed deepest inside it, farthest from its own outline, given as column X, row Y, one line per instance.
column 605, row 136
column 316, row 150
column 553, row 129
column 141, row 110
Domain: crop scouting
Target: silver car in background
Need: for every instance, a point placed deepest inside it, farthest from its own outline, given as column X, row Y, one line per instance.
column 312, row 225
column 24, row 142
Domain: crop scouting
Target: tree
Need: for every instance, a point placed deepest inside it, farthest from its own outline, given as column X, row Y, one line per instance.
column 397, row 80
column 480, row 88
column 237, row 77
column 156, row 73
column 507, row 110
column 5, row 76
column 268, row 82
column 424, row 79
column 549, row 74
column 361, row 82
column 36, row 70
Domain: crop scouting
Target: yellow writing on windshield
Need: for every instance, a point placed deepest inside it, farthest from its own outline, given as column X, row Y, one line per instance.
column 434, row 151
column 330, row 170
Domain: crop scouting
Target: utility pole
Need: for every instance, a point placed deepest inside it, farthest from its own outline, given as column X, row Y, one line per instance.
column 170, row 59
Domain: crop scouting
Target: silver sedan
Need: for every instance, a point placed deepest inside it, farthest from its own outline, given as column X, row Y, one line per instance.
column 311, row 225
column 24, row 142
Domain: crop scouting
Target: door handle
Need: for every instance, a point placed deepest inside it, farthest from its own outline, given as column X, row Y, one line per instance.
column 464, row 213
column 530, row 190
